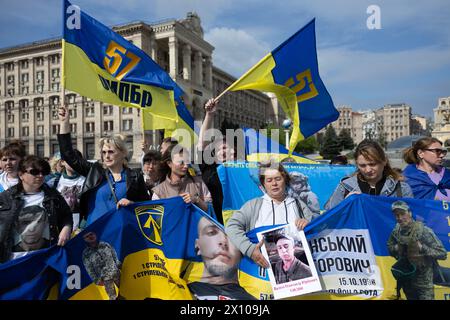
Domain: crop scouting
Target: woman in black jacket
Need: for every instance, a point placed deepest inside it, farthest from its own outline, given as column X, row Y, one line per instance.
column 110, row 183
column 33, row 216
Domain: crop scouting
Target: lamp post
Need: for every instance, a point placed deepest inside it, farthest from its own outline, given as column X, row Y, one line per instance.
column 287, row 123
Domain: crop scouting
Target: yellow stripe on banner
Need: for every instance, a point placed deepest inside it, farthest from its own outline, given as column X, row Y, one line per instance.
column 257, row 157
column 260, row 78
column 183, row 134
column 226, row 215
column 149, row 274
column 82, row 76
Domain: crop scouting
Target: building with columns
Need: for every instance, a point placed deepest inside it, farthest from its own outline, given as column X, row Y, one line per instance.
column 442, row 120
column 30, row 84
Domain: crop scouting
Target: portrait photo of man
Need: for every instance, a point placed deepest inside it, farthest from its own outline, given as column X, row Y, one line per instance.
column 286, row 266
column 221, row 260
column 101, row 263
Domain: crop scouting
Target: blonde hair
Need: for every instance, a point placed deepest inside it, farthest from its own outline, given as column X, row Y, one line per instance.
column 118, row 142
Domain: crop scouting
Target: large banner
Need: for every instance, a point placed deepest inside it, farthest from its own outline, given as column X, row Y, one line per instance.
column 167, row 249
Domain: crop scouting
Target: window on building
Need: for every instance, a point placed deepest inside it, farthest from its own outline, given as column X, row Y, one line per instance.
column 55, row 115
column 24, row 64
column 127, row 125
column 73, row 113
column 54, row 59
column 25, row 131
column 10, row 132
column 90, row 126
column 55, row 128
column 73, row 128
column 9, row 66
column 90, row 150
column 24, row 78
column 40, row 130
column 11, row 92
column 25, row 117
column 10, row 118
column 55, row 86
column 108, row 125
column 127, row 110
column 11, row 80
column 40, row 116
column 55, row 74
column 39, row 76
column 39, row 61
column 107, row 110
column 24, row 90
column 90, row 111
column 40, row 88
column 40, row 150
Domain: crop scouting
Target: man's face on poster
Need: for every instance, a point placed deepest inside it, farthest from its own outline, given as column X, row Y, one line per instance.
column 285, row 248
column 220, row 256
column 403, row 218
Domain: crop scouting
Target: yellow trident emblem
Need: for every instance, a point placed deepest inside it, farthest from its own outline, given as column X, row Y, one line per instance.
column 150, row 222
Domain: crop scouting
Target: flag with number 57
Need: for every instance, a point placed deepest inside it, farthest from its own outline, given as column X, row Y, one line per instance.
column 100, row 64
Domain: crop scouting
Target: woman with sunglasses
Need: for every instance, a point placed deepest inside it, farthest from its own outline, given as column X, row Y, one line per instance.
column 33, row 216
column 425, row 174
column 110, row 183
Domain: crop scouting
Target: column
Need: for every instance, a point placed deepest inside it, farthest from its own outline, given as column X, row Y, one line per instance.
column 173, row 58
column 3, row 80
column 154, row 49
column 208, row 72
column 198, row 61
column 31, row 76
column 46, row 74
column 187, row 62
column 16, row 79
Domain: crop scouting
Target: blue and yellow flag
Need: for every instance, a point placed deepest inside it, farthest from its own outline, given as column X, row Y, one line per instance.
column 291, row 72
column 259, row 147
column 100, row 64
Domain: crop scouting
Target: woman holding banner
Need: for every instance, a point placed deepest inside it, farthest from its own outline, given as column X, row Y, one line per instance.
column 174, row 166
column 425, row 174
column 110, row 183
column 273, row 208
column 374, row 176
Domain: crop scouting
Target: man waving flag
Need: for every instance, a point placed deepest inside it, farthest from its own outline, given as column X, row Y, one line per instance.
column 100, row 64
column 291, row 72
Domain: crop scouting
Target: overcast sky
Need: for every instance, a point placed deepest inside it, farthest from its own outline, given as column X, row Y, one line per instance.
column 407, row 60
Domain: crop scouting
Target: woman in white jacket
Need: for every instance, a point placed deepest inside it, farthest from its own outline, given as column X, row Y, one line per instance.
column 273, row 208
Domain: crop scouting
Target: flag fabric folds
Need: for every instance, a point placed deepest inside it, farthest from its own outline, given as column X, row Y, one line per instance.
column 291, row 72
column 259, row 147
column 100, row 64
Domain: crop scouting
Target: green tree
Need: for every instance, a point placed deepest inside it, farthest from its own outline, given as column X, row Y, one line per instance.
column 308, row 145
column 345, row 140
column 330, row 147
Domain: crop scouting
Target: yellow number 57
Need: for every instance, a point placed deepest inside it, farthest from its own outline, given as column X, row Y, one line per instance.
column 113, row 60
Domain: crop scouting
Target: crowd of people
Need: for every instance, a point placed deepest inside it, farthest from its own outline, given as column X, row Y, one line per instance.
column 39, row 201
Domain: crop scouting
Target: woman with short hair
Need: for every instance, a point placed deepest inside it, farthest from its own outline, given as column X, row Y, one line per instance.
column 273, row 208
column 33, row 216
column 374, row 176
column 109, row 183
column 425, row 174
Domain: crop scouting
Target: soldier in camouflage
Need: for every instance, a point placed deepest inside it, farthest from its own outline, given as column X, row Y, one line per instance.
column 414, row 241
column 101, row 263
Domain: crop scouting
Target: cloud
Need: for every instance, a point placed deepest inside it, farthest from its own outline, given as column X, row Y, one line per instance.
column 236, row 51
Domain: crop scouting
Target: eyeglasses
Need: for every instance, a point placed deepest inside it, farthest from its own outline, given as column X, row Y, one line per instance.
column 36, row 172
column 438, row 151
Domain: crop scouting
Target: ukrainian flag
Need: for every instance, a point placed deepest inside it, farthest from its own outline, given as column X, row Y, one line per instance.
column 291, row 72
column 100, row 64
column 259, row 147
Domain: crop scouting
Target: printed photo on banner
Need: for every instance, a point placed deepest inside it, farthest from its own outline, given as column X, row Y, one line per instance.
column 219, row 279
column 292, row 272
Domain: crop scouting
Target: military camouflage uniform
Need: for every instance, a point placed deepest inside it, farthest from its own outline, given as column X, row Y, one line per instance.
column 420, row 287
column 102, row 265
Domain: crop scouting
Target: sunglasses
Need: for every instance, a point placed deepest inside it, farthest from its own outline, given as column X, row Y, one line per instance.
column 438, row 151
column 36, row 172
